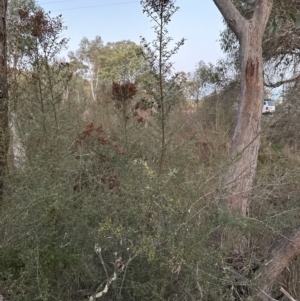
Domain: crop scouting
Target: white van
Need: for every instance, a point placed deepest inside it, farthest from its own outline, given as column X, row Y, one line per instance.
column 268, row 107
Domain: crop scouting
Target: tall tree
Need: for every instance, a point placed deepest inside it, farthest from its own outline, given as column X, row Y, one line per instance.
column 120, row 62
column 86, row 59
column 103, row 64
column 3, row 97
column 198, row 80
column 246, row 139
column 239, row 177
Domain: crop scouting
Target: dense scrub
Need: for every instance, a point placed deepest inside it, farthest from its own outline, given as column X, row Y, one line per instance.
column 80, row 187
column 92, row 205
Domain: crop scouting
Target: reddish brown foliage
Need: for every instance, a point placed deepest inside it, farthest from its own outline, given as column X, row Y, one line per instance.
column 123, row 92
column 90, row 132
column 37, row 23
column 140, row 119
column 40, row 25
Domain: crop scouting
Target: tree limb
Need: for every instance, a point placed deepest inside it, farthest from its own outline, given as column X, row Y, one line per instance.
column 98, row 252
column 261, row 14
column 287, row 294
column 232, row 16
column 282, row 82
column 279, row 256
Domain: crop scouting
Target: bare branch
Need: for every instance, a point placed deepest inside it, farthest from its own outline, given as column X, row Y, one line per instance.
column 282, row 82
column 287, row 294
column 267, row 295
column 119, row 268
column 98, row 252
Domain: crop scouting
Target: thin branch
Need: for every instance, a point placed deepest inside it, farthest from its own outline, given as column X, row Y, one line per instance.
column 98, row 252
column 249, row 282
column 271, row 228
column 119, row 268
column 287, row 294
column 108, row 283
column 189, row 219
column 268, row 296
column 124, row 275
column 282, row 82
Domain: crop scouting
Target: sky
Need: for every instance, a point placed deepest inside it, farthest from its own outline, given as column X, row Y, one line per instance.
column 198, row 21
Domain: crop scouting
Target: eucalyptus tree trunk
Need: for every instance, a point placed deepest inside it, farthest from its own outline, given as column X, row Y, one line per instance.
column 238, row 179
column 3, row 97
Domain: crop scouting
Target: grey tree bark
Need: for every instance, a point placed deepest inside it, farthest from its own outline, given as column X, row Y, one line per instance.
column 238, row 179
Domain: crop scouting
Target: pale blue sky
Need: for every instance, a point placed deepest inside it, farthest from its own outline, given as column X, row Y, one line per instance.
column 199, row 21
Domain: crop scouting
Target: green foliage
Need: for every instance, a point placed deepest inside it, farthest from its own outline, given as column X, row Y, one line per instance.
column 89, row 179
column 121, row 62
column 103, row 64
column 164, row 87
column 19, row 39
column 281, row 63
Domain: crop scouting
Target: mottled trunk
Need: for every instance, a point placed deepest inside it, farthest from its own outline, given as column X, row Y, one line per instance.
column 238, row 180
column 239, row 177
column 4, row 141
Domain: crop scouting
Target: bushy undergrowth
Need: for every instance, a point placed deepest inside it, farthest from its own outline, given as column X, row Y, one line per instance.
column 90, row 201
column 114, row 177
column 81, row 188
